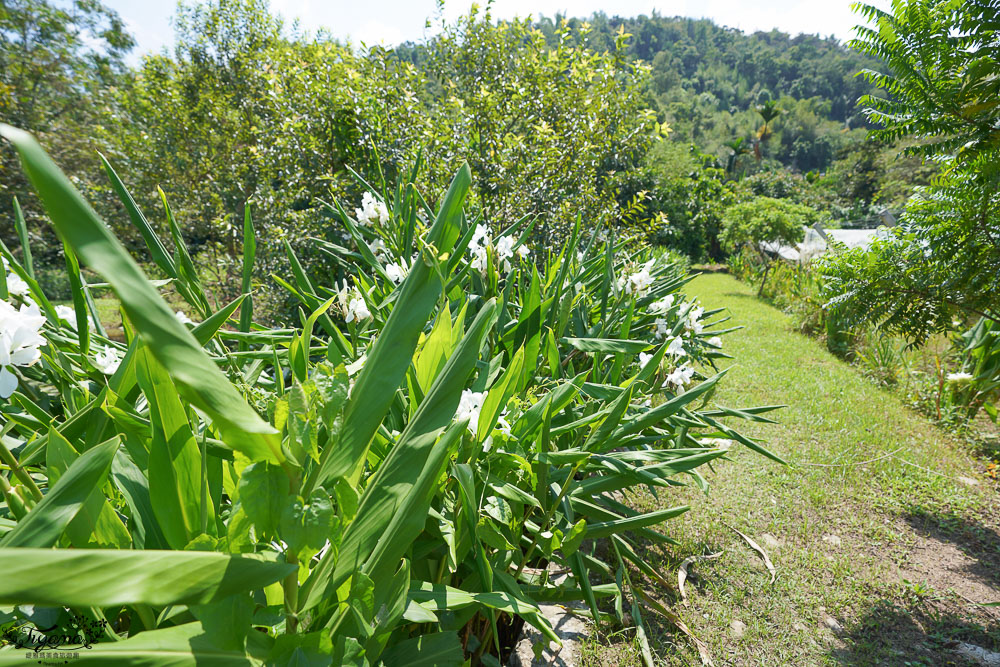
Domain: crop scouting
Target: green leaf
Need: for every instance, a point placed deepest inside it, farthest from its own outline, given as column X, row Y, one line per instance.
column 175, row 478
column 393, row 509
column 186, row 644
column 204, row 331
column 47, row 520
column 437, row 649
column 499, row 394
column 305, row 527
column 156, row 250
column 96, row 524
column 606, row 528
column 249, row 253
column 193, row 372
column 132, row 484
column 109, row 577
column 264, row 493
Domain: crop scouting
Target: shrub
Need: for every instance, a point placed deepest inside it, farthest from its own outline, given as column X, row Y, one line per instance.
column 387, row 482
column 761, row 220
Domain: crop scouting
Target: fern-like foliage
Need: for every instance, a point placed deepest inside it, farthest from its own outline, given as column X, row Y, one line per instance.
column 942, row 58
column 941, row 89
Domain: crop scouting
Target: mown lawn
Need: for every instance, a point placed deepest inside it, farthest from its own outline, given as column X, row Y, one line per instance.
column 883, row 529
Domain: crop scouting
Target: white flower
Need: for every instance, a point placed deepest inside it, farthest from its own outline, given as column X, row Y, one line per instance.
column 505, row 248
column 663, row 305
column 661, row 327
column 183, row 318
column 371, row 210
column 108, row 360
column 480, row 237
column 19, row 341
column 479, row 248
column 503, row 425
column 396, row 272
column 679, row 376
column 16, row 286
column 469, row 406
column 644, row 359
column 638, row 283
column 356, row 365
column 579, row 257
column 479, row 260
column 357, row 309
column 959, row 378
column 352, row 305
column 715, row 341
column 693, row 324
column 676, row 347
column 378, row 249
column 67, row 315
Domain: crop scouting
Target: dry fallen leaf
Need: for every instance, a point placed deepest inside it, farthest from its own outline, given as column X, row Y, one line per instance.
column 682, row 573
column 759, row 549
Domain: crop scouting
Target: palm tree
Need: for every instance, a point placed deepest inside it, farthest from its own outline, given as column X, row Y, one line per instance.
column 739, row 148
column 768, row 111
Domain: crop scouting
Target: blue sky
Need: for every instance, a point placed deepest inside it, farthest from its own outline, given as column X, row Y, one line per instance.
column 392, row 21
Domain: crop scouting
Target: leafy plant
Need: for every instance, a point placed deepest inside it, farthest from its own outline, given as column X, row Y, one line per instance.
column 389, row 482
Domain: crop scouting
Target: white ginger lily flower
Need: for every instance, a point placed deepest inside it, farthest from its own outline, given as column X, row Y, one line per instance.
column 469, row 406
column 16, row 286
column 378, row 249
column 108, row 360
column 662, row 329
column 676, row 347
column 19, row 342
column 679, row 377
column 663, row 305
column 397, row 271
column 66, row 314
column 371, row 210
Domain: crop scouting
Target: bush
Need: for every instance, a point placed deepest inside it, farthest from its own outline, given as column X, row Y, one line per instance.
column 763, row 220
column 387, row 482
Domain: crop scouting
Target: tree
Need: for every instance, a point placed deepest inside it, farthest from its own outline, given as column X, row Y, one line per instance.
column 768, row 111
column 58, row 62
column 943, row 95
column 544, row 126
column 749, row 225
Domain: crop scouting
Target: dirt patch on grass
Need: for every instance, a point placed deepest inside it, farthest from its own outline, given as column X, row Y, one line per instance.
column 944, row 566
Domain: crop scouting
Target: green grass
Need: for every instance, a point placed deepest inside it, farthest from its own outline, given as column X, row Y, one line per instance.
column 914, row 539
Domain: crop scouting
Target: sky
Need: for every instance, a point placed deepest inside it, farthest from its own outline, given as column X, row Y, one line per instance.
column 389, row 22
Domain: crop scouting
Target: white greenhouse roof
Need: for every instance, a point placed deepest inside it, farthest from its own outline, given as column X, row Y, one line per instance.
column 814, row 244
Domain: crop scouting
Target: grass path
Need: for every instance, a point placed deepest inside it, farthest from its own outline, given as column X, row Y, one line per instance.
column 877, row 563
